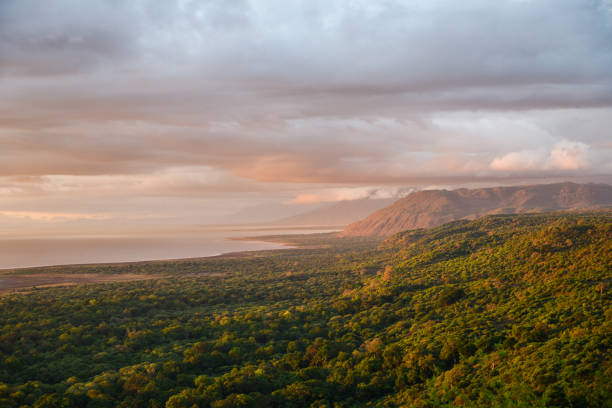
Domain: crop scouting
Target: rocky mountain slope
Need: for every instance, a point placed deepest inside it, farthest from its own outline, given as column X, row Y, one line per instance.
column 429, row 208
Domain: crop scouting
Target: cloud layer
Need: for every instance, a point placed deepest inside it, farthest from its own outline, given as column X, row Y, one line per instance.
column 318, row 100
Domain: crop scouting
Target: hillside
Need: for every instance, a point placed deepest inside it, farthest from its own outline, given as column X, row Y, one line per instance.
column 430, row 208
column 505, row 311
column 339, row 213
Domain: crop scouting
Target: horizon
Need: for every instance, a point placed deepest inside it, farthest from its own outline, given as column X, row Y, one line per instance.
column 134, row 117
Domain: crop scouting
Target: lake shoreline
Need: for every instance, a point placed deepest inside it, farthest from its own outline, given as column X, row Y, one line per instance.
column 20, row 255
column 284, row 241
column 25, row 279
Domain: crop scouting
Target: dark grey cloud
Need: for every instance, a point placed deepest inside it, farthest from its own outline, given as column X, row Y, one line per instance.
column 317, row 47
column 63, row 37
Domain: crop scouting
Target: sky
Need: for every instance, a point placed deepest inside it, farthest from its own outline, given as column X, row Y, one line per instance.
column 155, row 113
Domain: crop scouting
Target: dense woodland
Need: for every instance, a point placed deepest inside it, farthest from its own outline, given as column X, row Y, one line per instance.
column 504, row 311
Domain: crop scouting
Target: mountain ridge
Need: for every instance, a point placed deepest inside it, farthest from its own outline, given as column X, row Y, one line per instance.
column 430, row 208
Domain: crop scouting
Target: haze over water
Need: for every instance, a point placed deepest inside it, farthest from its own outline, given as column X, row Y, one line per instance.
column 44, row 251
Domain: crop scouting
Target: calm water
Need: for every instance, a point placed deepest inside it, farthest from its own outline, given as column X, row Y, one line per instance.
column 17, row 253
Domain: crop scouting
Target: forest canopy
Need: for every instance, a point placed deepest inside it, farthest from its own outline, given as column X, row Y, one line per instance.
column 501, row 311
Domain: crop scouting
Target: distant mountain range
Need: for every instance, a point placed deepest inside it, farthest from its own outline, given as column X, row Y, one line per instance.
column 429, row 208
column 339, row 213
column 267, row 213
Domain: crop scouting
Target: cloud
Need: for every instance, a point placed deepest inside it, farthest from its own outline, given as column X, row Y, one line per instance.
column 519, row 161
column 235, row 102
column 331, row 196
column 185, row 181
column 63, row 37
column 49, row 216
column 565, row 155
column 569, row 156
column 309, row 57
column 347, row 194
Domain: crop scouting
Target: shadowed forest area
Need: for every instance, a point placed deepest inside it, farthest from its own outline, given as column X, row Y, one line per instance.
column 505, row 311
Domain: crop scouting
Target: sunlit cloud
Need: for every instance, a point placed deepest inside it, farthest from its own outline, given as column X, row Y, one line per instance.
column 565, row 155
column 519, row 161
column 343, row 194
column 569, row 156
column 49, row 216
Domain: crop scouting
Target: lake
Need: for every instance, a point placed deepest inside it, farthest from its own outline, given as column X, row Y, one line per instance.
column 43, row 251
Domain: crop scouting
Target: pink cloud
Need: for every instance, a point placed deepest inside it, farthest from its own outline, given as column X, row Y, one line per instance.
column 517, row 161
column 347, row 194
column 330, row 196
column 569, row 156
column 565, row 155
